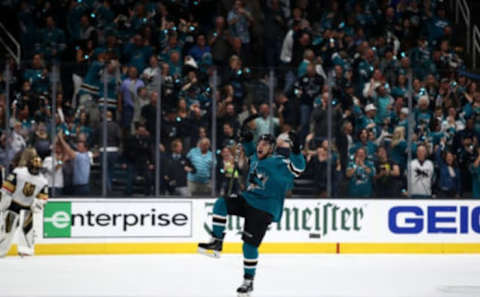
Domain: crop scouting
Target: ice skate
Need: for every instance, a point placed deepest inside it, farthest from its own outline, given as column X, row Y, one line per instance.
column 212, row 249
column 246, row 288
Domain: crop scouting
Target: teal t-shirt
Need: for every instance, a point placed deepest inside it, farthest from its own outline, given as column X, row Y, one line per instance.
column 360, row 184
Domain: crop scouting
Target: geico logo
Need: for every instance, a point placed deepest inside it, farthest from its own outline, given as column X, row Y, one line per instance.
column 126, row 220
column 436, row 219
column 59, row 219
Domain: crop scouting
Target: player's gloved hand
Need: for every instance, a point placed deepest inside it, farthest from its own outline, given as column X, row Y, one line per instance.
column 37, row 205
column 295, row 142
column 246, row 135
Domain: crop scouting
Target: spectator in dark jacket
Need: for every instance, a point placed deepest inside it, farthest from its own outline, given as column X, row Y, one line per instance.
column 177, row 166
column 139, row 157
column 449, row 178
column 113, row 143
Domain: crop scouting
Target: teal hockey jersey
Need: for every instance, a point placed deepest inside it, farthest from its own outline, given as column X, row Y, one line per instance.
column 269, row 180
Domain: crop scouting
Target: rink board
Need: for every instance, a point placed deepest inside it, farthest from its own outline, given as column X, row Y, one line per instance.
column 129, row 226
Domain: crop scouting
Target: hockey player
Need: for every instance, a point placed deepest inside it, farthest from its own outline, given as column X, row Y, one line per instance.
column 25, row 189
column 270, row 176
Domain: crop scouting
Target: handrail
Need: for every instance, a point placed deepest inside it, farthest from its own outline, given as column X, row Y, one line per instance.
column 476, row 45
column 16, row 56
column 462, row 6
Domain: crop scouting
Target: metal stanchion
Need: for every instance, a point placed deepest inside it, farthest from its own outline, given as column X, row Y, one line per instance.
column 329, row 136
column 104, row 132
column 54, row 80
column 158, row 125
column 271, row 91
column 214, row 132
column 411, row 122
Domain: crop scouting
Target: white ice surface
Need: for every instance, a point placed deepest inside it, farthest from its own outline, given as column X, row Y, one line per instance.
column 277, row 276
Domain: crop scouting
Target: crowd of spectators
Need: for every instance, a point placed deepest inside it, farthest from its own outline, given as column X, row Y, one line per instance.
column 339, row 64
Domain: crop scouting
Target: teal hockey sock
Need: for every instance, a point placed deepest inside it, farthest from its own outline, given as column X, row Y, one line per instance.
column 250, row 260
column 219, row 220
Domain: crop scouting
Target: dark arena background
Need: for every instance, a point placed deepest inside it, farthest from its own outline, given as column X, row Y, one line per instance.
column 141, row 113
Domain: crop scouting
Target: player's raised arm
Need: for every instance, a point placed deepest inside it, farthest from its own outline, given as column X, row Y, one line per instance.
column 297, row 160
column 246, row 136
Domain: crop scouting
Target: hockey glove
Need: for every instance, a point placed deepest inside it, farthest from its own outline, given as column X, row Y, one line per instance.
column 295, row 142
column 246, row 136
column 37, row 205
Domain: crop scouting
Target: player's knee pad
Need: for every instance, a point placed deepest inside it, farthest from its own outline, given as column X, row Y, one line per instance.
column 5, row 201
column 27, row 222
column 10, row 225
column 26, row 242
column 220, row 207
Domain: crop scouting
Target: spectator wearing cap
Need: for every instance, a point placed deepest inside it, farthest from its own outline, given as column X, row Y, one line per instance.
column 360, row 172
column 201, row 158
column 421, row 174
column 127, row 97
column 367, row 121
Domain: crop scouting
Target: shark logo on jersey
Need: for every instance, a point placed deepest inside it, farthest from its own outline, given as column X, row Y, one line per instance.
column 258, row 179
column 28, row 189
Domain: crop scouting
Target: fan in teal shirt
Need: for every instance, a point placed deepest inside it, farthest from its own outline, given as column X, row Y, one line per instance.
column 360, row 172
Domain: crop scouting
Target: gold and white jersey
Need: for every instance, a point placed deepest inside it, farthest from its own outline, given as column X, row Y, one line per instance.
column 24, row 187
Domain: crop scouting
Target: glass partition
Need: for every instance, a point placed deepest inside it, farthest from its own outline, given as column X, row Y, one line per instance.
column 103, row 129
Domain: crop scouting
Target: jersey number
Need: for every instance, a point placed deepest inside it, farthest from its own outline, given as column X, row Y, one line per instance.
column 28, row 189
